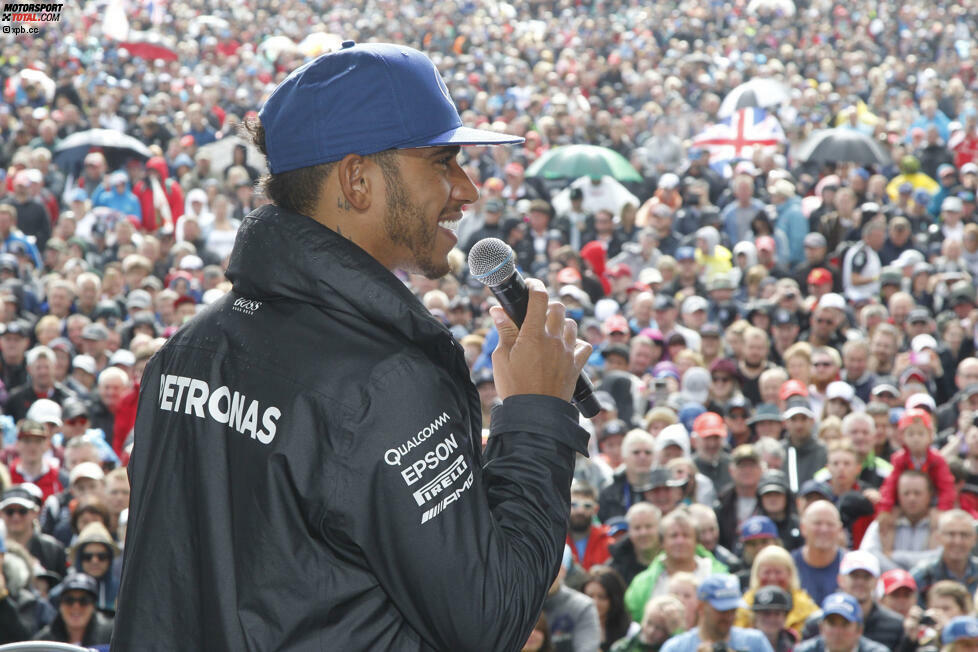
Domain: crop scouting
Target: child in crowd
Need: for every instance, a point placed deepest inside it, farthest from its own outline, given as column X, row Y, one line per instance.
column 916, row 429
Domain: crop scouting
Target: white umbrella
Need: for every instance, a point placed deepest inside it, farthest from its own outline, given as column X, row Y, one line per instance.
column 319, row 42
column 199, row 22
column 760, row 91
column 31, row 76
column 783, row 7
column 273, row 46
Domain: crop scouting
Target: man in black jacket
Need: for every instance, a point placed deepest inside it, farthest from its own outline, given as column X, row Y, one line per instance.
column 307, row 470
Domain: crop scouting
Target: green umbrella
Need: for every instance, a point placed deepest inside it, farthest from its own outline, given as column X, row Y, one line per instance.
column 574, row 161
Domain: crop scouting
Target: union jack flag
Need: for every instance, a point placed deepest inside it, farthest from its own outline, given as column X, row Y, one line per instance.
column 737, row 136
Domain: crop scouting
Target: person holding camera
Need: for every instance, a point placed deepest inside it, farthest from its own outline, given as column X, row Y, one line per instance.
column 719, row 597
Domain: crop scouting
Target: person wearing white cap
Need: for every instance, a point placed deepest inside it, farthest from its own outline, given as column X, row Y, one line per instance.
column 32, row 218
column 861, row 264
column 858, row 575
column 83, row 371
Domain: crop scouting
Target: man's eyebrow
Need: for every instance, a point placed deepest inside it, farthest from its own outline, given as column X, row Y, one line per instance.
column 444, row 149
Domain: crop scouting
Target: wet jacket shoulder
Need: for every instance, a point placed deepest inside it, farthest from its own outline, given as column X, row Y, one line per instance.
column 307, row 473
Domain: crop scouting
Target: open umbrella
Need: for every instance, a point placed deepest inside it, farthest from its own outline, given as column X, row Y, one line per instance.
column 783, row 7
column 759, row 91
column 221, row 154
column 116, row 146
column 199, row 23
column 149, row 46
column 273, row 46
column 29, row 76
column 842, row 145
column 318, row 43
column 574, row 161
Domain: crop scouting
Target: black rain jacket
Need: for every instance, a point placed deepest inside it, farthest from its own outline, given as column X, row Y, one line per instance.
column 307, row 472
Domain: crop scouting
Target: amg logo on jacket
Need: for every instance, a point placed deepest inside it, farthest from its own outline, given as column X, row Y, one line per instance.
column 224, row 405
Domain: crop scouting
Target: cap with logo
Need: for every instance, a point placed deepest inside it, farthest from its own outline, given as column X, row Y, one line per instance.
column 798, row 405
column 772, row 598
column 820, row 276
column 859, row 560
column 915, row 414
column 722, row 592
column 783, row 317
column 79, row 582
column 844, row 605
column 959, row 627
column 758, row 527
column 895, row 579
column 398, row 101
column 685, row 253
column 792, row 388
column 710, row 424
column 918, row 316
column 19, row 495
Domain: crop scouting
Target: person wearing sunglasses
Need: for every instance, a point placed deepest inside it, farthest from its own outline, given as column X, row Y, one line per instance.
column 94, row 552
column 19, row 508
column 78, row 621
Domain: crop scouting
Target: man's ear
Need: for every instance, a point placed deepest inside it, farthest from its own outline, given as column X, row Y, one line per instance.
column 355, row 183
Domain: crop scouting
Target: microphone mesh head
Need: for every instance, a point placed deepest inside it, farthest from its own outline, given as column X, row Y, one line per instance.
column 491, row 261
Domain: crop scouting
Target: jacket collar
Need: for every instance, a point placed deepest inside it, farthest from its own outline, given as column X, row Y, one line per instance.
column 280, row 254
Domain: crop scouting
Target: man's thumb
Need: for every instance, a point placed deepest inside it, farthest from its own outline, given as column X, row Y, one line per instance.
column 506, row 327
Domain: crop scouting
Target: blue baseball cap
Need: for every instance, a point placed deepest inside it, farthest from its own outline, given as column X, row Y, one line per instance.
column 363, row 99
column 958, row 628
column 844, row 605
column 758, row 527
column 685, row 253
column 722, row 592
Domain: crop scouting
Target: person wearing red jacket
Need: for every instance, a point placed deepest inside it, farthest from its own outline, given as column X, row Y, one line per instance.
column 160, row 197
column 589, row 542
column 916, row 429
column 31, row 465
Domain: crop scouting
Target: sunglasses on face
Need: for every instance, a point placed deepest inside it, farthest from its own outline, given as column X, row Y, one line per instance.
column 15, row 511
column 100, row 556
column 77, row 421
column 83, row 600
column 822, row 363
column 582, row 504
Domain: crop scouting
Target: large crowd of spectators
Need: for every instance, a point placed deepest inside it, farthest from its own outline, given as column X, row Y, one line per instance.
column 787, row 452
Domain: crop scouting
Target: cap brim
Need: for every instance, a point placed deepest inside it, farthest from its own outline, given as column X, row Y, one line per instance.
column 835, row 612
column 790, row 412
column 728, row 605
column 772, row 488
column 23, row 502
column 465, row 136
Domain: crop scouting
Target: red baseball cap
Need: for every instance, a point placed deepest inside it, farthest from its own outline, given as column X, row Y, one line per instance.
column 895, row 579
column 568, row 275
column 792, row 388
column 709, row 423
column 616, row 324
column 910, row 415
column 820, row 276
column 765, row 242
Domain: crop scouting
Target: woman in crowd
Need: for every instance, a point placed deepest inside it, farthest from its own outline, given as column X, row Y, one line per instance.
column 774, row 566
column 78, row 622
column 607, row 589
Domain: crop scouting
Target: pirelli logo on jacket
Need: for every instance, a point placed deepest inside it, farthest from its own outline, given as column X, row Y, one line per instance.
column 438, row 474
column 225, row 405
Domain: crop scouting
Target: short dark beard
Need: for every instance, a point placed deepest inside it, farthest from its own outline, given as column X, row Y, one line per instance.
column 753, row 366
column 404, row 223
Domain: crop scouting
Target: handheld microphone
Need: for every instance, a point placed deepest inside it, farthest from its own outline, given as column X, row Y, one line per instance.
column 493, row 263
